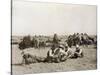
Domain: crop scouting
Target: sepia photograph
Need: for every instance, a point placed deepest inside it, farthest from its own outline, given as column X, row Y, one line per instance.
column 53, row 37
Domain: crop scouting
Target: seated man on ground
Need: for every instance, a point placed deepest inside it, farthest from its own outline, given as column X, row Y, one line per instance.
column 75, row 53
column 69, row 52
column 51, row 56
column 63, row 52
column 60, row 53
column 56, row 54
column 78, row 51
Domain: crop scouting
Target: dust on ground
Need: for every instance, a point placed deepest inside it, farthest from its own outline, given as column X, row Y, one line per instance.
column 88, row 62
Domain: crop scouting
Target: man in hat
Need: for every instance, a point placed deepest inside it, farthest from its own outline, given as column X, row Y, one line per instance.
column 55, row 54
column 62, row 55
column 51, row 56
column 78, row 51
column 69, row 51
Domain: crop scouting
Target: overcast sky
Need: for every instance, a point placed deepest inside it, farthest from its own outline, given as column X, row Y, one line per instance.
column 49, row 18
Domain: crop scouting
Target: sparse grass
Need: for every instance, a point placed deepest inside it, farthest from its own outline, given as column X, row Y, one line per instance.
column 88, row 62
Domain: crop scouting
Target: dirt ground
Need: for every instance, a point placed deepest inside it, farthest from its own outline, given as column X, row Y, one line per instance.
column 88, row 62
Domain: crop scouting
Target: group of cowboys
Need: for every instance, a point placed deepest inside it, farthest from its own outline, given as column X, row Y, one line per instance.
column 55, row 54
column 63, row 52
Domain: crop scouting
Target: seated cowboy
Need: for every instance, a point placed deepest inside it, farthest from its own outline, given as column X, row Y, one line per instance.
column 51, row 56
column 55, row 54
column 69, row 52
column 78, row 51
column 60, row 51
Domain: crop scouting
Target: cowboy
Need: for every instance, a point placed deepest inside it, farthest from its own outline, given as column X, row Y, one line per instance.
column 61, row 49
column 55, row 54
column 75, row 53
column 78, row 51
column 51, row 57
column 62, row 56
column 69, row 52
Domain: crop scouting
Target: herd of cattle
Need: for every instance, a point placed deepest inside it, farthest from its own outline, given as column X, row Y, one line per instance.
column 71, row 40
